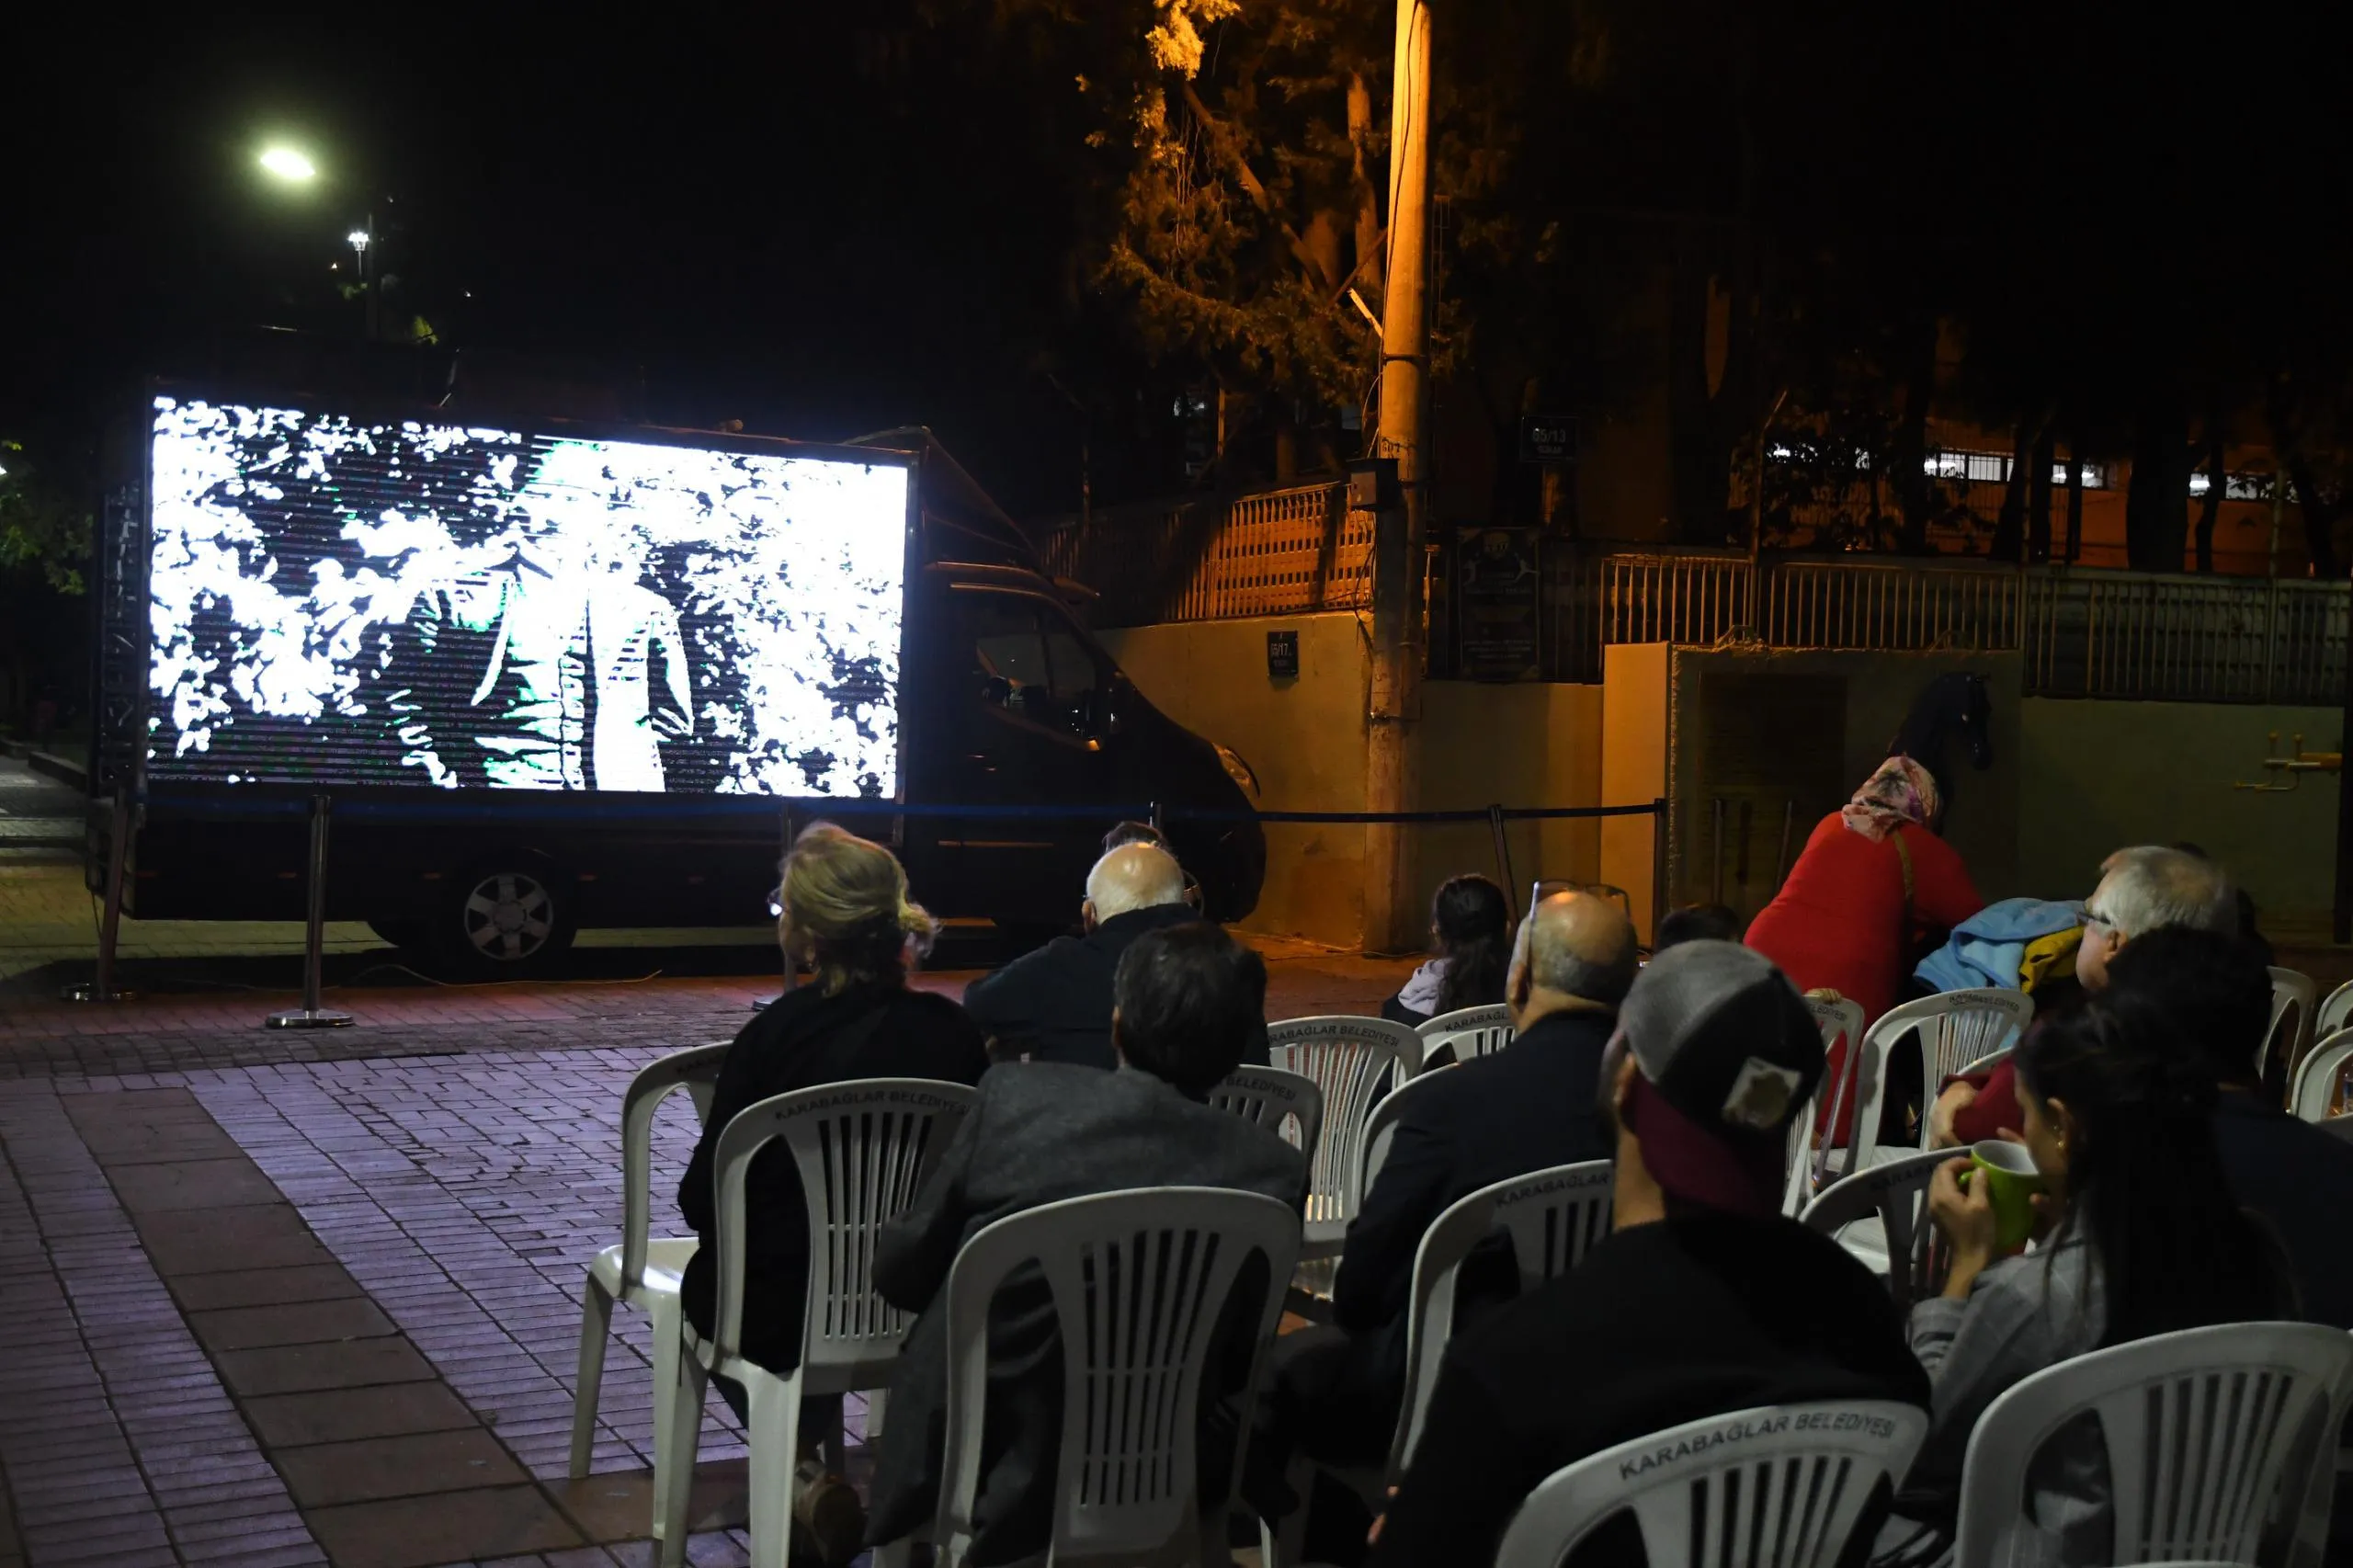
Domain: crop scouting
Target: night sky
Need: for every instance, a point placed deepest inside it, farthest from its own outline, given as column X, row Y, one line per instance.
column 781, row 216
column 825, row 219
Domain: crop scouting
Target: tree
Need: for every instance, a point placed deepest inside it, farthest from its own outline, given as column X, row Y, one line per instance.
column 44, row 529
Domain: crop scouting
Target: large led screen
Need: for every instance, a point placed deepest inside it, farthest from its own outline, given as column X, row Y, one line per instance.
column 338, row 601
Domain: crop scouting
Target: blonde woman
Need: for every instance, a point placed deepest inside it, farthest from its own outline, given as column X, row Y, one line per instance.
column 847, row 915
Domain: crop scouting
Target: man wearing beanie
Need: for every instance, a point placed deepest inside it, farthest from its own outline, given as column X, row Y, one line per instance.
column 1703, row 1300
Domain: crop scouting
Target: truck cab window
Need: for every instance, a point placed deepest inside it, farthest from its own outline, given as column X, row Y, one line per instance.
column 1029, row 663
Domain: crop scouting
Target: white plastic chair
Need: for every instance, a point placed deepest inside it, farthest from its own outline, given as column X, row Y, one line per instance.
column 1346, row 1057
column 1380, row 1130
column 2292, row 995
column 2211, row 1433
column 1466, row 1032
column 1275, row 1099
column 2334, row 1014
column 1139, row 1279
column 1895, row 1194
column 1810, row 1155
column 1957, row 1028
column 643, row 1271
column 2318, row 1075
column 1554, row 1217
column 1781, row 1485
column 863, row 1149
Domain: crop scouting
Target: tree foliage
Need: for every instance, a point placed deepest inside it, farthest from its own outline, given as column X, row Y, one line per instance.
column 44, row 528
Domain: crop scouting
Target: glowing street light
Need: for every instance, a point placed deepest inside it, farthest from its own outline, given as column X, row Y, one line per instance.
column 358, row 239
column 289, row 165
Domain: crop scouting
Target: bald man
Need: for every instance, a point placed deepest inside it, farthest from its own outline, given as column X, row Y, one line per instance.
column 1054, row 1004
column 1534, row 1104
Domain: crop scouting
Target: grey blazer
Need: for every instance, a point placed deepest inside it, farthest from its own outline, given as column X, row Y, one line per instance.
column 1041, row 1133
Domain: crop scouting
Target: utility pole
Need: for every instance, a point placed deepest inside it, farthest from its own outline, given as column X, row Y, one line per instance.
column 1399, row 561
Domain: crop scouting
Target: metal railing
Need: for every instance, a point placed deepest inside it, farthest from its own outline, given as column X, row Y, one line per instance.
column 2084, row 632
column 1279, row 553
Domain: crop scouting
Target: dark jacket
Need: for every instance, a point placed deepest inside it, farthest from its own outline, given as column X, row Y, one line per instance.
column 2299, row 1182
column 1041, row 1132
column 1054, row 1004
column 1532, row 1104
column 1660, row 1325
column 805, row 1040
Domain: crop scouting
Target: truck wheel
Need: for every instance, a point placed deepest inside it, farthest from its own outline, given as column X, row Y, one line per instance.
column 506, row 922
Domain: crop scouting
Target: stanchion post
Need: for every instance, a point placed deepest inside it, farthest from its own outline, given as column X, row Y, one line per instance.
column 1503, row 845
column 1658, row 866
column 310, row 1015
column 102, row 989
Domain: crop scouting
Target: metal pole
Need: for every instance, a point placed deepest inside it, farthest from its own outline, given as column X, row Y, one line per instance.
column 111, row 924
column 1716, row 855
column 311, row 1016
column 1658, row 866
column 1503, row 845
column 1398, row 562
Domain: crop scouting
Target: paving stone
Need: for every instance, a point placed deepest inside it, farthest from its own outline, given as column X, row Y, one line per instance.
column 451, row 1527
column 619, row 1505
column 301, row 1369
column 214, row 1241
column 298, row 1322
column 378, row 1468
column 171, row 1186
column 292, row 1420
column 263, row 1287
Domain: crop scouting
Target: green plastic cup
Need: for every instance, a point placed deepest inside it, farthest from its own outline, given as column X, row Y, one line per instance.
column 2011, row 1181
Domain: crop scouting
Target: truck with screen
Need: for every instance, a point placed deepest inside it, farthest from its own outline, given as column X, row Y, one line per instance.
column 553, row 676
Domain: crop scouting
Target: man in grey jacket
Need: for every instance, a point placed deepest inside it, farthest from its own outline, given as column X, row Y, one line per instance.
column 1185, row 1001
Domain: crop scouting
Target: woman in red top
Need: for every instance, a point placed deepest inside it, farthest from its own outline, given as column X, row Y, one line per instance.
column 1873, row 880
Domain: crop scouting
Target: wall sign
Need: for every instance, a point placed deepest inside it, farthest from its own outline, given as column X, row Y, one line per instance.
column 1500, row 618
column 1282, row 656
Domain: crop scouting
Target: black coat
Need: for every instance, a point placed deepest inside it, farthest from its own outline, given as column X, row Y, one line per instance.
column 801, row 1042
column 1054, row 1004
column 1041, row 1132
column 1533, row 1104
column 2298, row 1181
column 1660, row 1325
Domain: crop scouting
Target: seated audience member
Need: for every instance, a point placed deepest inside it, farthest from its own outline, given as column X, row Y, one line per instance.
column 1470, row 945
column 1336, row 1389
column 1133, row 832
column 2144, row 1237
column 1703, row 1300
column 1055, row 1004
column 846, row 913
column 1697, row 923
column 1188, row 1001
column 2297, row 1179
column 2141, row 890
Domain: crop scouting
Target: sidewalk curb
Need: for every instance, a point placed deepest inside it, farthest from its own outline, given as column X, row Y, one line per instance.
column 60, row 768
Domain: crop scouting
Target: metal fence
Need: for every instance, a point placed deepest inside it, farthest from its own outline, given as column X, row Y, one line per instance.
column 2085, row 631
column 1279, row 553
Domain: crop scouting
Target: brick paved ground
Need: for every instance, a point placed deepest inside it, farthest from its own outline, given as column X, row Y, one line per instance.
column 278, row 1298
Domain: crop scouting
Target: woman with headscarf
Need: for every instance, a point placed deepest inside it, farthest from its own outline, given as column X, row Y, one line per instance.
column 1874, row 884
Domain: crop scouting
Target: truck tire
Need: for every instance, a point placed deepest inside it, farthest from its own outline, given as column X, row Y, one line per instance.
column 506, row 921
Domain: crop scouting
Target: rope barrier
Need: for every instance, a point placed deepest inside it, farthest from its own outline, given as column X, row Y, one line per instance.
column 482, row 814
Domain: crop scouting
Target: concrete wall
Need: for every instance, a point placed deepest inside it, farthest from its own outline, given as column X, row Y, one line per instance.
column 2101, row 775
column 2074, row 780
column 1305, row 738
column 1515, row 746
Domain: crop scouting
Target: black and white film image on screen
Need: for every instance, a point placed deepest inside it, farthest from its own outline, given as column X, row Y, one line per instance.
column 339, row 602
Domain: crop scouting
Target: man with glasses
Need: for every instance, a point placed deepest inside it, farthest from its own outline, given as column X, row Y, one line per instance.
column 2142, row 889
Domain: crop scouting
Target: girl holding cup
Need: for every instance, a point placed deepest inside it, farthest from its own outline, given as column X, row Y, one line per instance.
column 2138, row 1235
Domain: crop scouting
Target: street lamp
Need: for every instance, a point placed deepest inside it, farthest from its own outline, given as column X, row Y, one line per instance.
column 359, row 239
column 287, row 165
